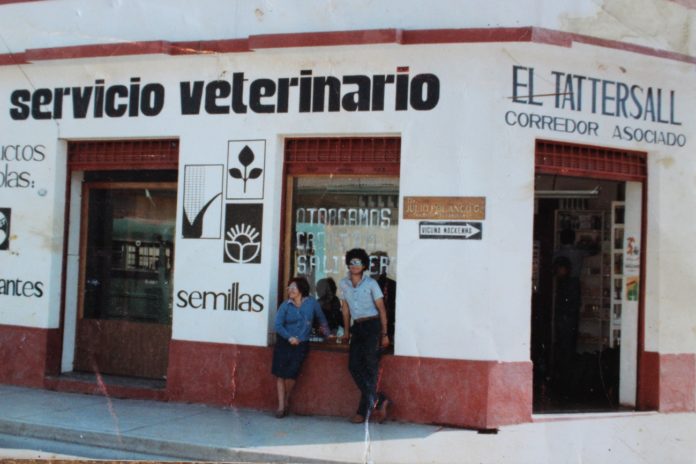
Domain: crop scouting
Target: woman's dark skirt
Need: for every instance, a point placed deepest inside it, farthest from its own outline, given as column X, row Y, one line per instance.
column 288, row 359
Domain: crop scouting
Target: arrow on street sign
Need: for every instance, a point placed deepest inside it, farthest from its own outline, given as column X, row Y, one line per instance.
column 450, row 230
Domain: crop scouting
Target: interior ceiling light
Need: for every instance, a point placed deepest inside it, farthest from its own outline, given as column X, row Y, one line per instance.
column 567, row 193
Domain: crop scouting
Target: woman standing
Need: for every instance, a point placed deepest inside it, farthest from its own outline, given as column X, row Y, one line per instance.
column 293, row 325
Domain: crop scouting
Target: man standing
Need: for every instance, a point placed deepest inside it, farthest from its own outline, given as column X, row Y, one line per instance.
column 363, row 302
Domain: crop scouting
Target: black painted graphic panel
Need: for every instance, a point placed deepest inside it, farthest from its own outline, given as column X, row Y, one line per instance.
column 243, row 231
column 5, row 214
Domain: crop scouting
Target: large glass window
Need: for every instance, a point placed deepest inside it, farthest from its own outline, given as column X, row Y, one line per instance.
column 329, row 215
column 129, row 252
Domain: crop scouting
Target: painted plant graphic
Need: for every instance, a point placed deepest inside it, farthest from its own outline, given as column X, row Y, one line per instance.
column 202, row 187
column 246, row 157
column 245, row 166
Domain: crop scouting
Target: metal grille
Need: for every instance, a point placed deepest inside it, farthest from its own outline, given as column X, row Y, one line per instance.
column 343, row 154
column 123, row 154
column 588, row 161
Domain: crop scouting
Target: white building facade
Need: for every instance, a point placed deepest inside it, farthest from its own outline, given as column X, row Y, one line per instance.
column 165, row 171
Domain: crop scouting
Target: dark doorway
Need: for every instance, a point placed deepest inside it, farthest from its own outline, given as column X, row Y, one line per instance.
column 127, row 250
column 126, row 193
column 575, row 331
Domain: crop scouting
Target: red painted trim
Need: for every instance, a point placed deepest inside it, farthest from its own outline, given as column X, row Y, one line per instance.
column 463, row 393
column 325, row 39
column 648, row 381
column 9, row 59
column 474, row 35
column 691, row 4
column 337, row 38
column 7, row 2
column 27, row 354
column 639, row 49
column 641, row 297
column 668, row 381
column 677, row 382
column 98, row 50
column 203, row 47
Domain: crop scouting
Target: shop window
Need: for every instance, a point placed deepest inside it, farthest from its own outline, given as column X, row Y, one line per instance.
column 341, row 194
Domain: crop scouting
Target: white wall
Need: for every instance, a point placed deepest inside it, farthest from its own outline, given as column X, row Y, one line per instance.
column 457, row 299
column 32, row 184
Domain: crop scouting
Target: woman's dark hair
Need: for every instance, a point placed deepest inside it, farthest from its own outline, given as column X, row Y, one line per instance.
column 357, row 253
column 302, row 285
column 326, row 288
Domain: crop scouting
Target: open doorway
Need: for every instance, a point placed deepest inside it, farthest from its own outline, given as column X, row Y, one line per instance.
column 119, row 260
column 585, row 293
column 589, row 204
column 125, row 293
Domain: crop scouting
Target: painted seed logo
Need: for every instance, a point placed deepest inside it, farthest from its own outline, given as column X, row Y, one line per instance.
column 243, row 230
column 5, row 228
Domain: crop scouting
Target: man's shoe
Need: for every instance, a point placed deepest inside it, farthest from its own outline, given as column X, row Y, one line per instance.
column 381, row 412
column 357, row 419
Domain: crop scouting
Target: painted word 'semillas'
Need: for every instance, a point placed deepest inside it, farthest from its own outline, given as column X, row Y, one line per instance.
column 229, row 300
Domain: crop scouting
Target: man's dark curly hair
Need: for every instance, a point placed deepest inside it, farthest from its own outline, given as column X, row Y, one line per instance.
column 357, row 253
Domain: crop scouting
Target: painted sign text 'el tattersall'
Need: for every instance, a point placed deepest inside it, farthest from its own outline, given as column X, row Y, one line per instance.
column 595, row 96
column 304, row 93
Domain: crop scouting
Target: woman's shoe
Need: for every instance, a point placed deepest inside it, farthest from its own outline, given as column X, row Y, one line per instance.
column 357, row 419
column 281, row 413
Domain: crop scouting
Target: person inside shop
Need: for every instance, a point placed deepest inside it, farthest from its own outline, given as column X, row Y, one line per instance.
column 293, row 325
column 362, row 302
column 330, row 305
column 575, row 252
column 566, row 317
column 388, row 287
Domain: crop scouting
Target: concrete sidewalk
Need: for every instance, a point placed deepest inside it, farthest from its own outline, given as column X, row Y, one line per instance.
column 198, row 432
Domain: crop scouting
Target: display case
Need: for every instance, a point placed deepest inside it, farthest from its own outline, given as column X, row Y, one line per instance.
column 617, row 265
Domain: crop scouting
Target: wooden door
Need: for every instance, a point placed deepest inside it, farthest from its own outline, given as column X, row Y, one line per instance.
column 127, row 255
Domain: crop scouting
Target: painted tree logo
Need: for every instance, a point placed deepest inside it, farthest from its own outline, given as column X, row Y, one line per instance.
column 246, row 157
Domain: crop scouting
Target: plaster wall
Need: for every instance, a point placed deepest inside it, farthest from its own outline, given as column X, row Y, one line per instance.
column 457, row 299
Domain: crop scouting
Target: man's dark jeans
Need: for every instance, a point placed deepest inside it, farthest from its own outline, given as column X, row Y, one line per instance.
column 363, row 361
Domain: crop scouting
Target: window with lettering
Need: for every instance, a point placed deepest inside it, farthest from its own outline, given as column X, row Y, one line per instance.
column 329, row 215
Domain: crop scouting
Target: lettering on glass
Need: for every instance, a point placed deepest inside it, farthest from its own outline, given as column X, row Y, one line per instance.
column 323, row 235
column 202, row 201
column 246, row 161
column 243, row 231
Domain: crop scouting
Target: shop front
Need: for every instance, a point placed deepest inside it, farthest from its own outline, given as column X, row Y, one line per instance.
column 519, row 214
